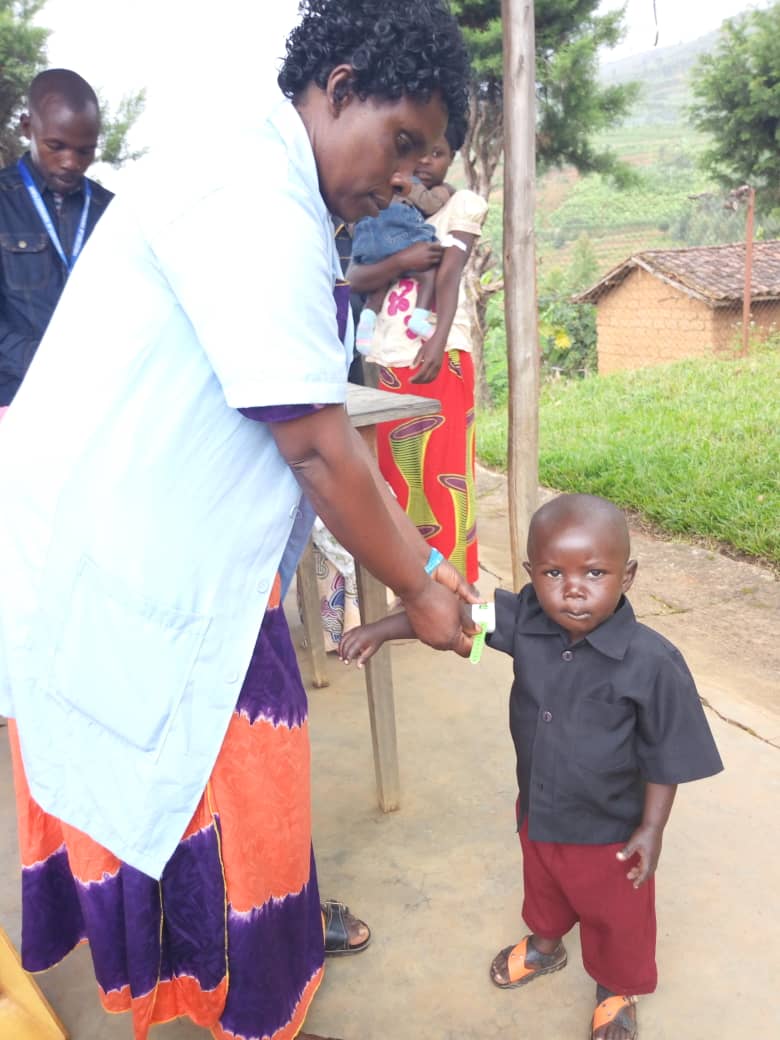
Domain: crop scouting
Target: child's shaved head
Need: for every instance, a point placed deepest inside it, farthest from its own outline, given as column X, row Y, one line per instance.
column 579, row 511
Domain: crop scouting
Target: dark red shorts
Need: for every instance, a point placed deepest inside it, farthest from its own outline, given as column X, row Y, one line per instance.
column 587, row 883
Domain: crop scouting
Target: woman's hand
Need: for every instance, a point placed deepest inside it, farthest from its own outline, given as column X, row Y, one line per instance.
column 451, row 578
column 435, row 616
column 420, row 256
column 429, row 357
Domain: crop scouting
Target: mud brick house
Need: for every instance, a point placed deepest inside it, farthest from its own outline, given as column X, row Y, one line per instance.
column 664, row 305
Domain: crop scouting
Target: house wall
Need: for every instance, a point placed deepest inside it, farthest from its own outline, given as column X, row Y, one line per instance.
column 727, row 328
column 644, row 321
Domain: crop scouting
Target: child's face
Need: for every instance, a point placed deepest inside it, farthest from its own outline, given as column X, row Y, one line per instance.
column 432, row 168
column 62, row 142
column 579, row 575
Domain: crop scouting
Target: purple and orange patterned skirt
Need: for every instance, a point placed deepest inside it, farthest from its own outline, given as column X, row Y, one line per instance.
column 231, row 935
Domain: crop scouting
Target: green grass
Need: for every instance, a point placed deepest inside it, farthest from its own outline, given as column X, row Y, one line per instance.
column 693, row 447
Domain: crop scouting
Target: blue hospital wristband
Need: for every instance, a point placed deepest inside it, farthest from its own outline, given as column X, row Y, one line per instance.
column 433, row 561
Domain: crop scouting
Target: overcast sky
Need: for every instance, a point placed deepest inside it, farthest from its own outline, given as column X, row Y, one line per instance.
column 678, row 21
column 207, row 67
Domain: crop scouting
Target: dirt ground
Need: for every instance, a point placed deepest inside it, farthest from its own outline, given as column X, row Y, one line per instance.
column 440, row 882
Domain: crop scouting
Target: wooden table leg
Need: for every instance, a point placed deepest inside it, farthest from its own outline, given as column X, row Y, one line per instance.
column 312, row 624
column 372, row 597
column 25, row 1014
column 372, row 600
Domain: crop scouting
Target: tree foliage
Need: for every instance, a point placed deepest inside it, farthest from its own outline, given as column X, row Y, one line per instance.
column 737, row 102
column 22, row 57
column 115, row 127
column 572, row 106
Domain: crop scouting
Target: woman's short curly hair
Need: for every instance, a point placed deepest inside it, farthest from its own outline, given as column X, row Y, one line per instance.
column 455, row 134
column 396, row 47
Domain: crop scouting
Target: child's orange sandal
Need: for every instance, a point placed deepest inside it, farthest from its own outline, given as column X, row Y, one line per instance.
column 620, row 1010
column 524, row 963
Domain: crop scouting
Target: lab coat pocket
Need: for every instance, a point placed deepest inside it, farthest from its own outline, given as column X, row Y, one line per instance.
column 123, row 661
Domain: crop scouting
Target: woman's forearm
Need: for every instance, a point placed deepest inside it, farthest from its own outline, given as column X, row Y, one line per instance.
column 340, row 479
column 447, row 291
column 448, row 279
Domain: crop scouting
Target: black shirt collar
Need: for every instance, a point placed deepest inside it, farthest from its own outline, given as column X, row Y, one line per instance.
column 611, row 638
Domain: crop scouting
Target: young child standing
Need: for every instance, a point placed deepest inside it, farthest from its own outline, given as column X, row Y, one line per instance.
column 402, row 224
column 606, row 721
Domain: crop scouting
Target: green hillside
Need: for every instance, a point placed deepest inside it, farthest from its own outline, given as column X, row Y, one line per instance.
column 664, row 74
column 671, row 204
column 654, row 213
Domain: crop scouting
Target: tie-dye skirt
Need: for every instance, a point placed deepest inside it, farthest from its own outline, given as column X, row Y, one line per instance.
column 429, row 462
column 231, row 935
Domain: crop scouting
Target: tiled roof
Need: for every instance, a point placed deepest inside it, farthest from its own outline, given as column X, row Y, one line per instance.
column 714, row 274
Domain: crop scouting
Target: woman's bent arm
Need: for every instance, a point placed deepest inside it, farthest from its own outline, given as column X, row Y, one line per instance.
column 337, row 474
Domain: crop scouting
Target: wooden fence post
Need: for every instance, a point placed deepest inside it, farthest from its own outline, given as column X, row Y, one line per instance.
column 520, row 273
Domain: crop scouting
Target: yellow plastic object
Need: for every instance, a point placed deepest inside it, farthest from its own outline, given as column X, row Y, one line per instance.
column 25, row 1014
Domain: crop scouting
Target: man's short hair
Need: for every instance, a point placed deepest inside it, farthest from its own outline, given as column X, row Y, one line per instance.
column 62, row 83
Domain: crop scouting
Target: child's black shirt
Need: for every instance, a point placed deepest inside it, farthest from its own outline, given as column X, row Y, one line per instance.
column 593, row 721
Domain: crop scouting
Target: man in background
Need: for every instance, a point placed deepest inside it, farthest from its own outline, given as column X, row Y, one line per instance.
column 48, row 209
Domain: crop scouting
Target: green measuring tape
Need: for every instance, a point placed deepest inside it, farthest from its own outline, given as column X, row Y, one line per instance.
column 478, row 645
column 484, row 617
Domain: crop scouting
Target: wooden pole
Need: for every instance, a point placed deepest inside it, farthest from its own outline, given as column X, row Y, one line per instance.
column 520, row 273
column 747, row 297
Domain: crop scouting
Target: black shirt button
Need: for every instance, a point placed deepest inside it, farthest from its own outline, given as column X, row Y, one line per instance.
column 546, row 716
column 567, row 655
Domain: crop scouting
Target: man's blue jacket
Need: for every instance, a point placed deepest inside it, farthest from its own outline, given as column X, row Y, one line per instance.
column 32, row 275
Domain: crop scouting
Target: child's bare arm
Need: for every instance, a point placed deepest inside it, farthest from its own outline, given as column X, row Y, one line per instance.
column 361, row 643
column 647, row 838
column 429, row 200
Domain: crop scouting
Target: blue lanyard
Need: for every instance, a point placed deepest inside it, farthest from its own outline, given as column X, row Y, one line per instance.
column 45, row 216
